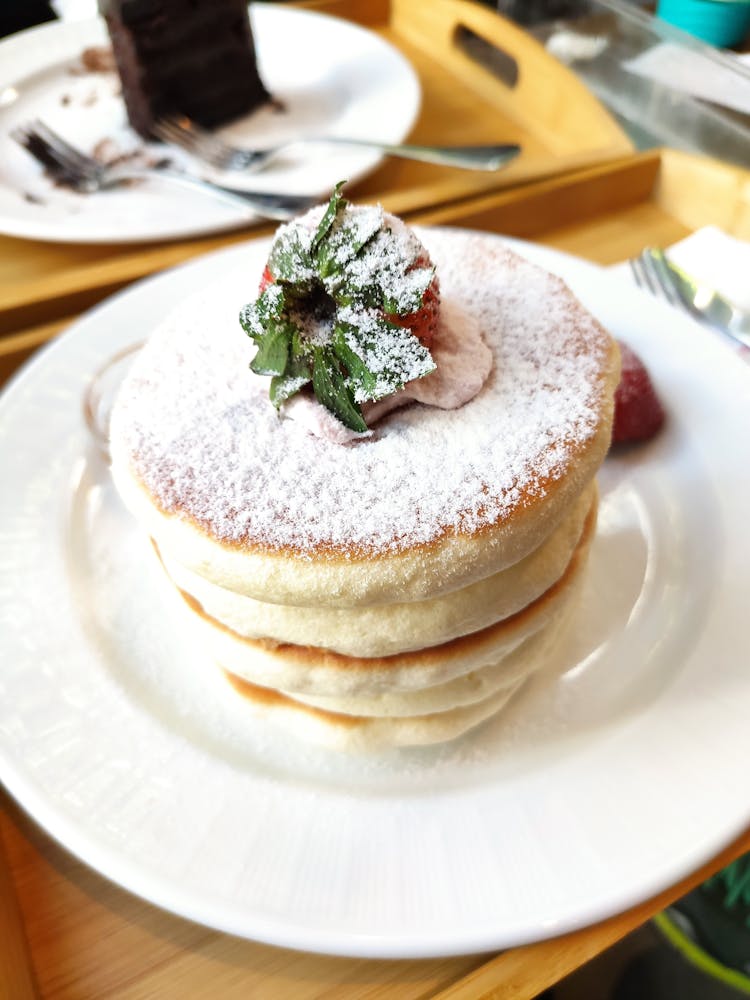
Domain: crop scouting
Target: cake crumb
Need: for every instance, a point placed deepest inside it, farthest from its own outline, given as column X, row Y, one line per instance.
column 98, row 59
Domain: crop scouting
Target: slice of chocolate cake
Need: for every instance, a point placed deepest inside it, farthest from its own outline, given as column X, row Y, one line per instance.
column 192, row 57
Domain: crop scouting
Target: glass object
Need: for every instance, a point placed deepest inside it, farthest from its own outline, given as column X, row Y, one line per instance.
column 528, row 12
column 664, row 86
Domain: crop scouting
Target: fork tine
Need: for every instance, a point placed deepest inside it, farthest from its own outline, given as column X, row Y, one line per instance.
column 206, row 146
column 20, row 135
column 655, row 265
column 68, row 155
column 202, row 144
column 642, row 275
column 180, row 137
column 169, row 133
column 42, row 143
column 36, row 146
column 179, row 131
column 635, row 270
column 167, row 127
column 207, row 142
column 185, row 127
column 85, row 174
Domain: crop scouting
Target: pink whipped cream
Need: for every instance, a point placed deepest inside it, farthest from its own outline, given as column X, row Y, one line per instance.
column 463, row 363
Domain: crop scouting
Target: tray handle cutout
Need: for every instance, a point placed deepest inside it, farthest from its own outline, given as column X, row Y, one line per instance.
column 550, row 111
column 487, row 54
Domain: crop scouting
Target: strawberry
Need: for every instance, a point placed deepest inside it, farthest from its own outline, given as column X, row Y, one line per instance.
column 424, row 322
column 319, row 331
column 266, row 279
column 638, row 411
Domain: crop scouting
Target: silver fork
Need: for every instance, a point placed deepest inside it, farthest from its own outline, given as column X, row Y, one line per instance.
column 183, row 132
column 84, row 173
column 654, row 272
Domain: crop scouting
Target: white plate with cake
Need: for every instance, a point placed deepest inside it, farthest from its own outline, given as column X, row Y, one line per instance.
column 617, row 762
column 324, row 76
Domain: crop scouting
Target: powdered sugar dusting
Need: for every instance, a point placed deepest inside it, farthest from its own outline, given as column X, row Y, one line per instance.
column 385, row 350
column 463, row 364
column 208, row 444
column 389, row 259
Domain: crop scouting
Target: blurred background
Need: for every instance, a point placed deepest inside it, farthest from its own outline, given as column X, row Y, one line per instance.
column 675, row 73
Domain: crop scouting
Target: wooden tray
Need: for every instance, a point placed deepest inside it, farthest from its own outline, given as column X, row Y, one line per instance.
column 68, row 934
column 605, row 213
column 537, row 103
column 609, row 213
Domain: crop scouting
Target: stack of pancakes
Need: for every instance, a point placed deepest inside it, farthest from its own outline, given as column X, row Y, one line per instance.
column 396, row 590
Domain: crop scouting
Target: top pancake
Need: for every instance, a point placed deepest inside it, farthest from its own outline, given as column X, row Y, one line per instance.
column 434, row 501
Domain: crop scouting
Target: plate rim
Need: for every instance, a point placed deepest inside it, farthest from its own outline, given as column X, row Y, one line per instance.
column 105, row 859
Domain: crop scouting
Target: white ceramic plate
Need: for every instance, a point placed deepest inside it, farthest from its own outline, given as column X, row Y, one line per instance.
column 332, row 77
column 615, row 772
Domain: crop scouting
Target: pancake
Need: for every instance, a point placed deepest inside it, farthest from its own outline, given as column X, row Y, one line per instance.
column 310, row 670
column 468, row 689
column 367, row 735
column 386, row 629
column 435, row 501
column 392, row 589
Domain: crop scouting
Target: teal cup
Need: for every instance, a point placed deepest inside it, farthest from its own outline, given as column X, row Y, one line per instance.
column 720, row 22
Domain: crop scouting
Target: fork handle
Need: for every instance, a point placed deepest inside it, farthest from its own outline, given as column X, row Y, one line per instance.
column 470, row 157
column 267, row 204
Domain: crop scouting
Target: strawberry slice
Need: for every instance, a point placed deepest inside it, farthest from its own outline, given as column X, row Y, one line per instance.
column 638, row 410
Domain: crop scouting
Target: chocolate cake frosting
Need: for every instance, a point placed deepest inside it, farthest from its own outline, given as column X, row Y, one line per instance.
column 191, row 57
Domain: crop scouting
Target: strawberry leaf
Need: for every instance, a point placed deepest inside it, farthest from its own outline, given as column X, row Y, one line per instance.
column 390, row 354
column 345, row 242
column 331, row 390
column 273, row 350
column 361, row 380
column 297, row 375
column 336, row 203
column 290, row 260
column 258, row 316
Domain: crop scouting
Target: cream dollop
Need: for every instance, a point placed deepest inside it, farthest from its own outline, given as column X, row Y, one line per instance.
column 463, row 364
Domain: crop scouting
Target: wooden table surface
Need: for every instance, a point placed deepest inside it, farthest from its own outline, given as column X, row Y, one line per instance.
column 68, row 934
